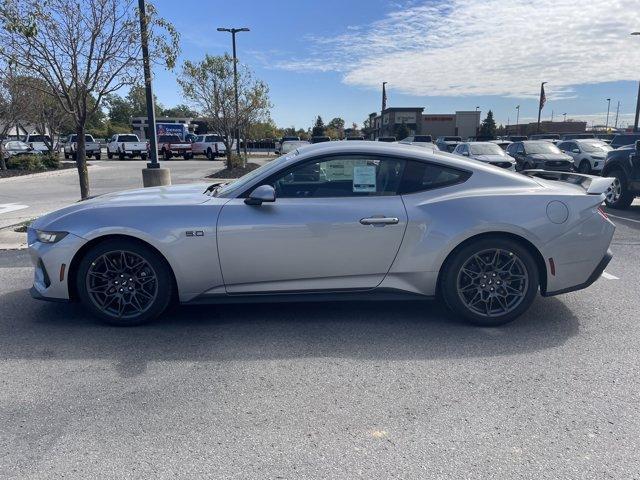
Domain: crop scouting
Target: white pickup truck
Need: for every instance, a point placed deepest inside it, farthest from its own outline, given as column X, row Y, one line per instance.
column 210, row 145
column 126, row 145
column 92, row 148
column 38, row 142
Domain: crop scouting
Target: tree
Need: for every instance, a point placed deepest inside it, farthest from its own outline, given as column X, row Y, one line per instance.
column 11, row 107
column 209, row 85
column 318, row 129
column 262, row 130
column 337, row 124
column 83, row 50
column 488, row 127
column 180, row 110
column 401, row 131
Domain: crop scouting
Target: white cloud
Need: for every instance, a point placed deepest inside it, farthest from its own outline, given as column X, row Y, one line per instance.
column 486, row 47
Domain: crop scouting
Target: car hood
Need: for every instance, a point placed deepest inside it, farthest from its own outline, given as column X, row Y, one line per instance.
column 171, row 196
column 492, row 158
column 550, row 156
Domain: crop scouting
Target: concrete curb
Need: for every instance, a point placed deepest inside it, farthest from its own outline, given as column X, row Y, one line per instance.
column 10, row 240
column 54, row 173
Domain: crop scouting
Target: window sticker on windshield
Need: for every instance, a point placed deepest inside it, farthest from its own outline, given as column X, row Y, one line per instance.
column 364, row 178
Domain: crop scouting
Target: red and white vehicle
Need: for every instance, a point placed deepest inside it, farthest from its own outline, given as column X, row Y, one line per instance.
column 171, row 146
column 210, row 145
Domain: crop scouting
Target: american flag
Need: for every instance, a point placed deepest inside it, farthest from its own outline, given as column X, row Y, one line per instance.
column 543, row 97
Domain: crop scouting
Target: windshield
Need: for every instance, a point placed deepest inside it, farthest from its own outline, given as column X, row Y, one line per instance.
column 595, row 147
column 39, row 138
column 169, row 139
column 233, row 187
column 542, row 147
column 128, row 138
column 486, row 149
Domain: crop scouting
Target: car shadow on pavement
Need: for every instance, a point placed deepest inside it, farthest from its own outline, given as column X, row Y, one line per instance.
column 358, row 330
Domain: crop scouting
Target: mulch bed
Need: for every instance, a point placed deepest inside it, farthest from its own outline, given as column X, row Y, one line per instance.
column 18, row 173
column 234, row 172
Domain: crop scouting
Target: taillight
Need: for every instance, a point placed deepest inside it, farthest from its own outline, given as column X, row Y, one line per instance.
column 602, row 213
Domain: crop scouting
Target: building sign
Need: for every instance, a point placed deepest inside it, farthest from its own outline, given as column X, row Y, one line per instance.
column 405, row 117
column 438, row 118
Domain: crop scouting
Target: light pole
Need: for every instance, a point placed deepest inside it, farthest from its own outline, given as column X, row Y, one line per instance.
column 517, row 119
column 153, row 175
column 615, row 125
column 477, row 108
column 635, row 123
column 233, row 32
column 564, row 115
column 606, row 124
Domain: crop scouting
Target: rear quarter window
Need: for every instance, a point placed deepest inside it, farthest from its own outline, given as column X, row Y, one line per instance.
column 421, row 176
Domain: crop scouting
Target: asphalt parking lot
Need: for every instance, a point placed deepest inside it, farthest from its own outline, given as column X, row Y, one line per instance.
column 340, row 390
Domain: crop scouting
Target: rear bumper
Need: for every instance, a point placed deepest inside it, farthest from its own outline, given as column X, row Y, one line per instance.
column 592, row 278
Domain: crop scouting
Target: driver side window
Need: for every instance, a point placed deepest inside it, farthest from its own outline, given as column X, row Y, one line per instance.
column 341, row 176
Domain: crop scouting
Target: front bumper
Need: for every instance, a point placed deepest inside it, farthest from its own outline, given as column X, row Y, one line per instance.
column 592, row 278
column 50, row 279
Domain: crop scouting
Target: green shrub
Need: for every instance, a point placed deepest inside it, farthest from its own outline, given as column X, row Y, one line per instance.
column 31, row 163
column 50, row 161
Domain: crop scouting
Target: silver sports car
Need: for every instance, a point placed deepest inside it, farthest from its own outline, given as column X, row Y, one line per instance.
column 331, row 221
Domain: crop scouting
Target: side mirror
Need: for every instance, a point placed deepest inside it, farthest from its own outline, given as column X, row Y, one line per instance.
column 264, row 193
column 576, row 150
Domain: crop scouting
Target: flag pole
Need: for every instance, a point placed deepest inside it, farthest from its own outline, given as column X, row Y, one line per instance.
column 543, row 99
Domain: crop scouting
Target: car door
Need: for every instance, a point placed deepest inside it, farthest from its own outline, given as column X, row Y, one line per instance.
column 336, row 224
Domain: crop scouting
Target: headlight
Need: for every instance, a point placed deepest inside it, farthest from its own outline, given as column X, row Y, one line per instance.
column 50, row 237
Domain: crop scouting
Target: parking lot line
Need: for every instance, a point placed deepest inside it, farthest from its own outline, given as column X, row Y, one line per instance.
column 11, row 207
column 608, row 276
column 624, row 218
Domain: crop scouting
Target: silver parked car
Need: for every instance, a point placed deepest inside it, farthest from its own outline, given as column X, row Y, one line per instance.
column 330, row 221
column 486, row 152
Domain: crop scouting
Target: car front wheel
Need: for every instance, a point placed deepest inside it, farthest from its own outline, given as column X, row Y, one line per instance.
column 490, row 282
column 584, row 167
column 124, row 282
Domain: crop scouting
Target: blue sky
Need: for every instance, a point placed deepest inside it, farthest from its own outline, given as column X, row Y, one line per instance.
column 329, row 57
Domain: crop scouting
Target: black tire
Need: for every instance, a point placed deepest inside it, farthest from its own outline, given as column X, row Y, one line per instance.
column 143, row 156
column 162, row 285
column 584, row 167
column 66, row 156
column 120, row 155
column 166, row 154
column 109, row 154
column 97, row 156
column 74, row 156
column 210, row 155
column 625, row 197
column 452, row 276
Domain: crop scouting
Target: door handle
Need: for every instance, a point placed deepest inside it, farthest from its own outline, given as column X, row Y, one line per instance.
column 379, row 221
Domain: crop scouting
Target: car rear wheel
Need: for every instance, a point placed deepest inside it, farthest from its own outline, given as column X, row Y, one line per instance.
column 166, row 154
column 124, row 283
column 209, row 154
column 618, row 194
column 109, row 154
column 490, row 282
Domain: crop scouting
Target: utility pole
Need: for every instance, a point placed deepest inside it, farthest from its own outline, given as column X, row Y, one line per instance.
column 615, row 125
column 543, row 100
column 606, row 125
column 153, row 175
column 635, row 123
column 551, row 115
column 233, row 32
column 517, row 119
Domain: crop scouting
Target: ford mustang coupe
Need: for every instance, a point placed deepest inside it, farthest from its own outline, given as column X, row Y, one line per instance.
column 329, row 221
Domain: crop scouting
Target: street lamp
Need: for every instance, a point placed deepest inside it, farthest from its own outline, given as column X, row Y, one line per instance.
column 635, row 123
column 565, row 117
column 606, row 125
column 233, row 32
column 477, row 108
column 517, row 118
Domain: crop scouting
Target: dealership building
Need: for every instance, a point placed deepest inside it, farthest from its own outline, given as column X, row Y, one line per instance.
column 461, row 123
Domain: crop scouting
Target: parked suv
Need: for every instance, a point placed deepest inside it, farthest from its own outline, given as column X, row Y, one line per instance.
column 448, row 144
column 588, row 154
column 540, row 154
column 623, row 164
column 623, row 139
column 486, row 152
column 92, row 148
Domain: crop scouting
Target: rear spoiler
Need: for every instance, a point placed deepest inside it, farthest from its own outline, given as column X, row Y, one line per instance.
column 592, row 185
